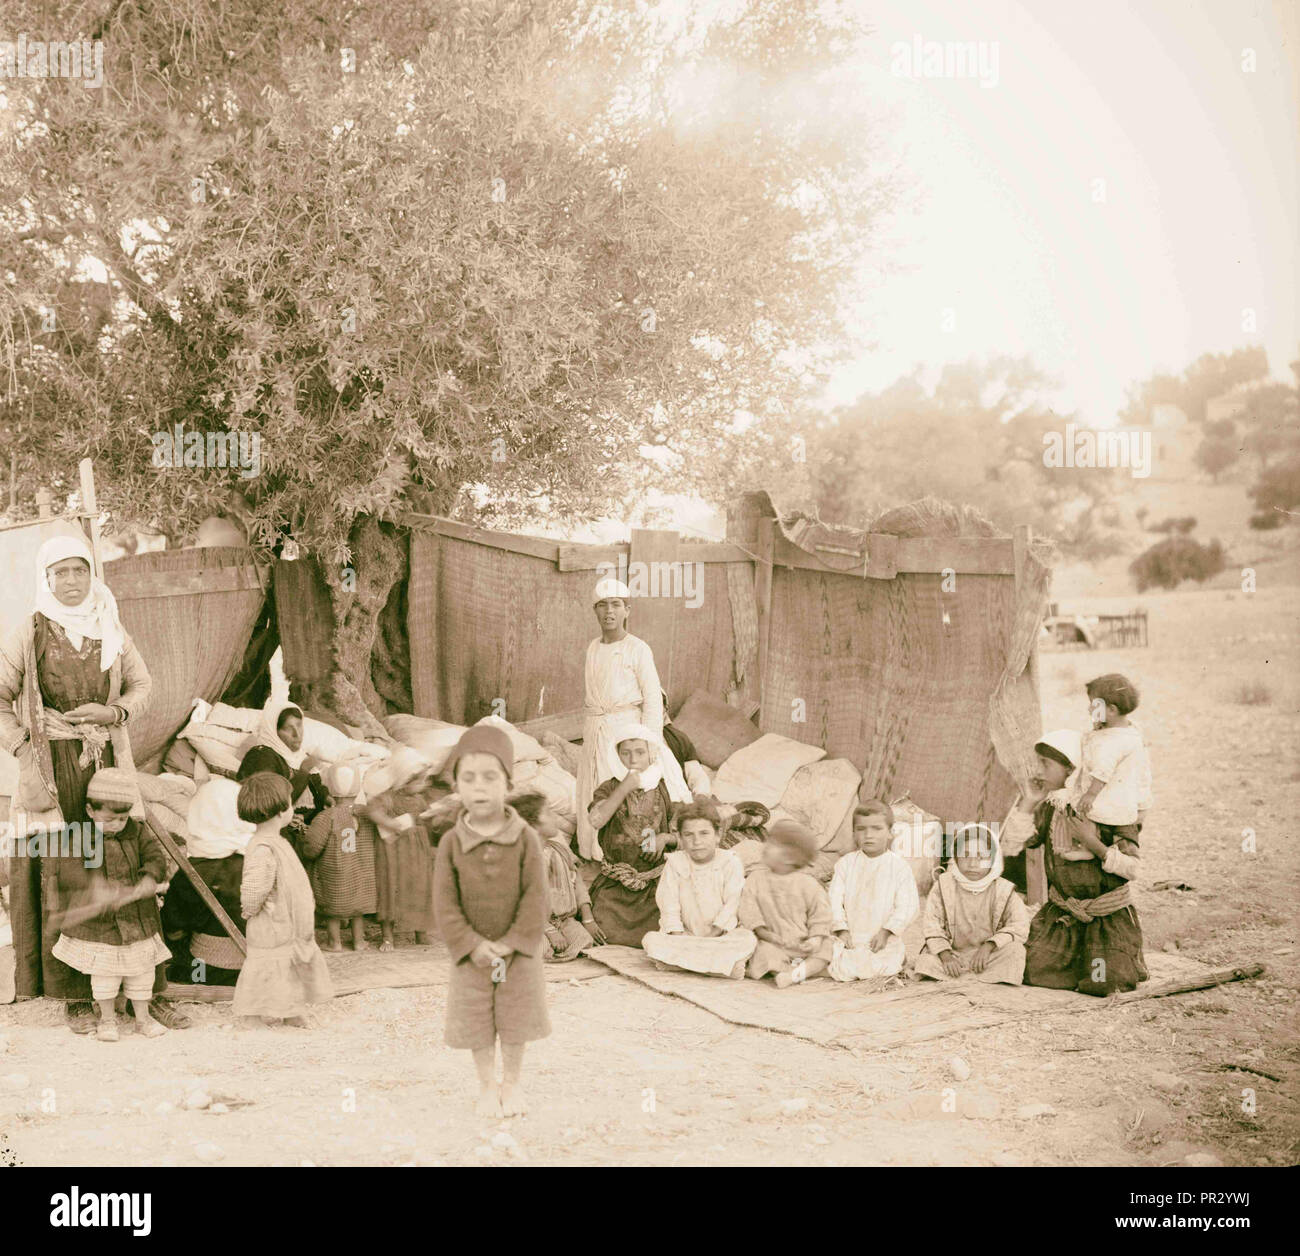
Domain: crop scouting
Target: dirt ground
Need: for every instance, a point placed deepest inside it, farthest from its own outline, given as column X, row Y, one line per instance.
column 631, row 1077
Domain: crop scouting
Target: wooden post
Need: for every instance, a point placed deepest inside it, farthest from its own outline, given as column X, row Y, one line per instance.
column 91, row 508
column 44, row 499
column 764, row 543
column 1035, row 868
column 653, row 569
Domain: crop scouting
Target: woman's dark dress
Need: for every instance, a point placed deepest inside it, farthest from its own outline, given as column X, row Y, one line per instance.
column 628, row 915
column 67, row 678
column 1101, row 957
column 185, row 913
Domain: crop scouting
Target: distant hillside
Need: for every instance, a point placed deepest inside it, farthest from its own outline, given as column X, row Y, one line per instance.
column 1221, row 511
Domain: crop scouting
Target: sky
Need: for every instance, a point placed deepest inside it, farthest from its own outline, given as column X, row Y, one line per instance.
column 1118, row 200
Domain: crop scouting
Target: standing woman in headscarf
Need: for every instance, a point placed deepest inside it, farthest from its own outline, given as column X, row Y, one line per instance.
column 70, row 681
column 622, row 687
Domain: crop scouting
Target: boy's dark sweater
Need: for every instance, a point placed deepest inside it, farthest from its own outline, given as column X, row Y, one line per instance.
column 494, row 891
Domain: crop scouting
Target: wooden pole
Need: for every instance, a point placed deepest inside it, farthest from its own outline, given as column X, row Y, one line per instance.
column 764, row 544
column 88, row 504
column 1035, row 865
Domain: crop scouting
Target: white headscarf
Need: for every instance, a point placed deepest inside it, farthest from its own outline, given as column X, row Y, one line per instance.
column 982, row 883
column 94, row 617
column 269, row 735
column 1067, row 742
column 651, row 775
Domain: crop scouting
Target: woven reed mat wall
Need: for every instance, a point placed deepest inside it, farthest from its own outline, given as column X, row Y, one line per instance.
column 305, row 619
column 487, row 623
column 192, row 642
column 882, row 680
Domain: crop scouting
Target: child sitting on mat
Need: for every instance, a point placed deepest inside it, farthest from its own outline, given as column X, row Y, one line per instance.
column 873, row 899
column 974, row 920
column 491, row 894
column 571, row 928
column 698, row 897
column 787, row 908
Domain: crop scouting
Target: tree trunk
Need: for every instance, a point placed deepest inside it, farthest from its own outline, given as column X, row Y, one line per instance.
column 358, row 594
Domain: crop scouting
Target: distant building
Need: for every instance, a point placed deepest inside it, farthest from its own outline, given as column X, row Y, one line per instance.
column 1174, row 439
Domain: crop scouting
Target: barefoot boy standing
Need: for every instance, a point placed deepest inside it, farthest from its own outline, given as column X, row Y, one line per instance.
column 490, row 893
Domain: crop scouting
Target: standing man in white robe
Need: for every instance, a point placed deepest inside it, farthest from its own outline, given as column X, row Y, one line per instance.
column 622, row 688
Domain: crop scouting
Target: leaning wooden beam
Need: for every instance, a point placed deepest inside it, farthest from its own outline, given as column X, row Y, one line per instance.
column 169, row 845
column 566, row 724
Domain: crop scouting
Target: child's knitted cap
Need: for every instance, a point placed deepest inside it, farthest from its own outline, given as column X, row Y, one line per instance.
column 482, row 739
column 799, row 836
column 113, row 785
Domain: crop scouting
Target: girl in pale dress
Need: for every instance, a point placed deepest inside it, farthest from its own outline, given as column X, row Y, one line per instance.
column 285, row 970
column 974, row 920
column 622, row 687
column 698, row 898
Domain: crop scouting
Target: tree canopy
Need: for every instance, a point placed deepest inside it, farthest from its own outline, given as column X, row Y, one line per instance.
column 487, row 252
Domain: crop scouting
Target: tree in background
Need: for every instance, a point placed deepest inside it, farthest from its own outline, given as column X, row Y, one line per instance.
column 474, row 257
column 975, row 437
column 1210, row 376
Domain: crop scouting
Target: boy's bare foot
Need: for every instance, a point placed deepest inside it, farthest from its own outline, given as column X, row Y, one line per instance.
column 512, row 1101
column 360, row 944
column 784, row 980
column 332, row 944
column 150, row 1028
column 489, row 1103
column 387, row 945
column 296, row 1022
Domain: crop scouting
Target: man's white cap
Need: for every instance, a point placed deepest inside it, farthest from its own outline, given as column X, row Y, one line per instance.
column 610, row 588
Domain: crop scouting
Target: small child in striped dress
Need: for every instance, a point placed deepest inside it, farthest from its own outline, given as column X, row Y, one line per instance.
column 340, row 843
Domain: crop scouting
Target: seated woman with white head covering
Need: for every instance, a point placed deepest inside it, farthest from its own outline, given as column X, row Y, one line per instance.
column 622, row 687
column 631, row 809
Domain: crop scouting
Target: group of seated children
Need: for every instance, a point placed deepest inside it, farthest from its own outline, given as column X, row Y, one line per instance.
column 694, row 908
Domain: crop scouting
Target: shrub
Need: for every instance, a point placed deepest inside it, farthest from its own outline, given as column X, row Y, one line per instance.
column 1279, row 486
column 1168, row 563
column 1183, row 525
column 1252, row 693
column 1266, row 520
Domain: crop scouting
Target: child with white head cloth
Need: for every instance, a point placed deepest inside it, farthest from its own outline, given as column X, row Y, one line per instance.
column 621, row 687
column 340, row 843
column 975, row 923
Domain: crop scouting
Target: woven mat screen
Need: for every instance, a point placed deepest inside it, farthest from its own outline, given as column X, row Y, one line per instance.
column 488, row 624
column 895, row 675
column 192, row 643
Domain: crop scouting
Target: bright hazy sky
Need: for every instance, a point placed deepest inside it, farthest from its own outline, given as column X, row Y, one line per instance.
column 1200, row 219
